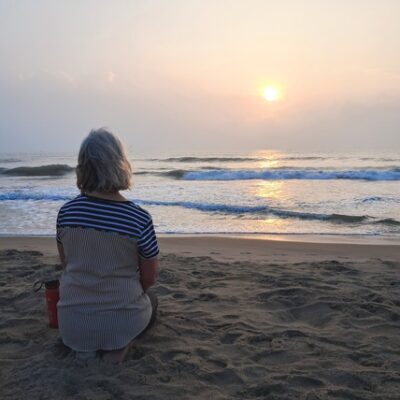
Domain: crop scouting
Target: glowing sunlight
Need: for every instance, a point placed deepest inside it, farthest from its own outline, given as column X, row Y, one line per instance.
column 271, row 93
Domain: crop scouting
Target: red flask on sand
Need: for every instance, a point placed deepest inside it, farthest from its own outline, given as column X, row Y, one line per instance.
column 52, row 296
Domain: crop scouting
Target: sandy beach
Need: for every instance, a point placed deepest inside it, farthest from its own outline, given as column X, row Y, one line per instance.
column 238, row 319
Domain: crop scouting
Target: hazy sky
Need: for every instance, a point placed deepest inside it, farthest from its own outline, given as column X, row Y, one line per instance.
column 187, row 76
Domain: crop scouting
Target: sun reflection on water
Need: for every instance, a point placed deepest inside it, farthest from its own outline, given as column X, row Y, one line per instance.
column 269, row 190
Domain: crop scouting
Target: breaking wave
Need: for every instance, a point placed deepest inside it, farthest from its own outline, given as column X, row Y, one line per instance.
column 376, row 199
column 388, row 221
column 195, row 159
column 265, row 210
column 392, row 174
column 257, row 210
column 42, row 170
column 9, row 160
column 25, row 196
column 238, row 210
column 283, row 173
column 209, row 159
column 234, row 159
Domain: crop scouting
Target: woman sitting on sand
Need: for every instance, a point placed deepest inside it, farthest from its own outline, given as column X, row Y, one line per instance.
column 108, row 248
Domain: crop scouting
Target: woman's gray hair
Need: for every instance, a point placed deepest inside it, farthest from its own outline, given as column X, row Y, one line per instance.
column 102, row 164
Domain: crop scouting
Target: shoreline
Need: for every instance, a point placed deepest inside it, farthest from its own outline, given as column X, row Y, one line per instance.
column 228, row 248
column 328, row 238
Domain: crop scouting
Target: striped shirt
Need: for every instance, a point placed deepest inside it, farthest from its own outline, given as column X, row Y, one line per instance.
column 122, row 217
column 102, row 304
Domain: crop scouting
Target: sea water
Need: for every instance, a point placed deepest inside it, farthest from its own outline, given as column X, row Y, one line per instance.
column 266, row 192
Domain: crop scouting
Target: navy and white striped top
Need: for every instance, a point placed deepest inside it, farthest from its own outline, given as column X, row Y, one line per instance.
column 102, row 303
column 121, row 217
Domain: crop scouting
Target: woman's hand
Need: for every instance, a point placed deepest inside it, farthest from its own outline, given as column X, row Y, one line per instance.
column 61, row 254
column 148, row 271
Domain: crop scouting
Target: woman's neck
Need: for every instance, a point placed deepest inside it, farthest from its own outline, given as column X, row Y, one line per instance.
column 117, row 196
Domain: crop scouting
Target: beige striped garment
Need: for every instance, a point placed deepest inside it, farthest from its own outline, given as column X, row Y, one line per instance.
column 102, row 304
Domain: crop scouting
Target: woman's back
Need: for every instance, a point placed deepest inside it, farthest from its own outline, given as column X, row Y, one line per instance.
column 102, row 304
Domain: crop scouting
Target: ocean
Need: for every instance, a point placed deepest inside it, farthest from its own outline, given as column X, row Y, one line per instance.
column 268, row 193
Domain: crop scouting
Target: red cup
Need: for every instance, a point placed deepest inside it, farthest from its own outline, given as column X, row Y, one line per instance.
column 52, row 296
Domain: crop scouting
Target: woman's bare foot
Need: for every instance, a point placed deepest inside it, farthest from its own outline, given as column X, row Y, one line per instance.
column 116, row 356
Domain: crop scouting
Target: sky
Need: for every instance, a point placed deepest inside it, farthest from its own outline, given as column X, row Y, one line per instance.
column 187, row 77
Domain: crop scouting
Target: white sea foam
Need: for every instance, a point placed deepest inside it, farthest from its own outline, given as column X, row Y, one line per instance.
column 392, row 174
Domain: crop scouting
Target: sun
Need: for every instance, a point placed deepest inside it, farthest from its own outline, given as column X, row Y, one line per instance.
column 271, row 93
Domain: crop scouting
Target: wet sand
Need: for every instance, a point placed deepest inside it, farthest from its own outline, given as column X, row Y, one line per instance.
column 238, row 319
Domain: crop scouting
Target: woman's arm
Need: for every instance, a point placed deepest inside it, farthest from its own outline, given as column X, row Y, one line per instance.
column 148, row 271
column 61, row 254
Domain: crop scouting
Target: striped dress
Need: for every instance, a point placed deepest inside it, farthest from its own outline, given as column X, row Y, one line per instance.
column 102, row 304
